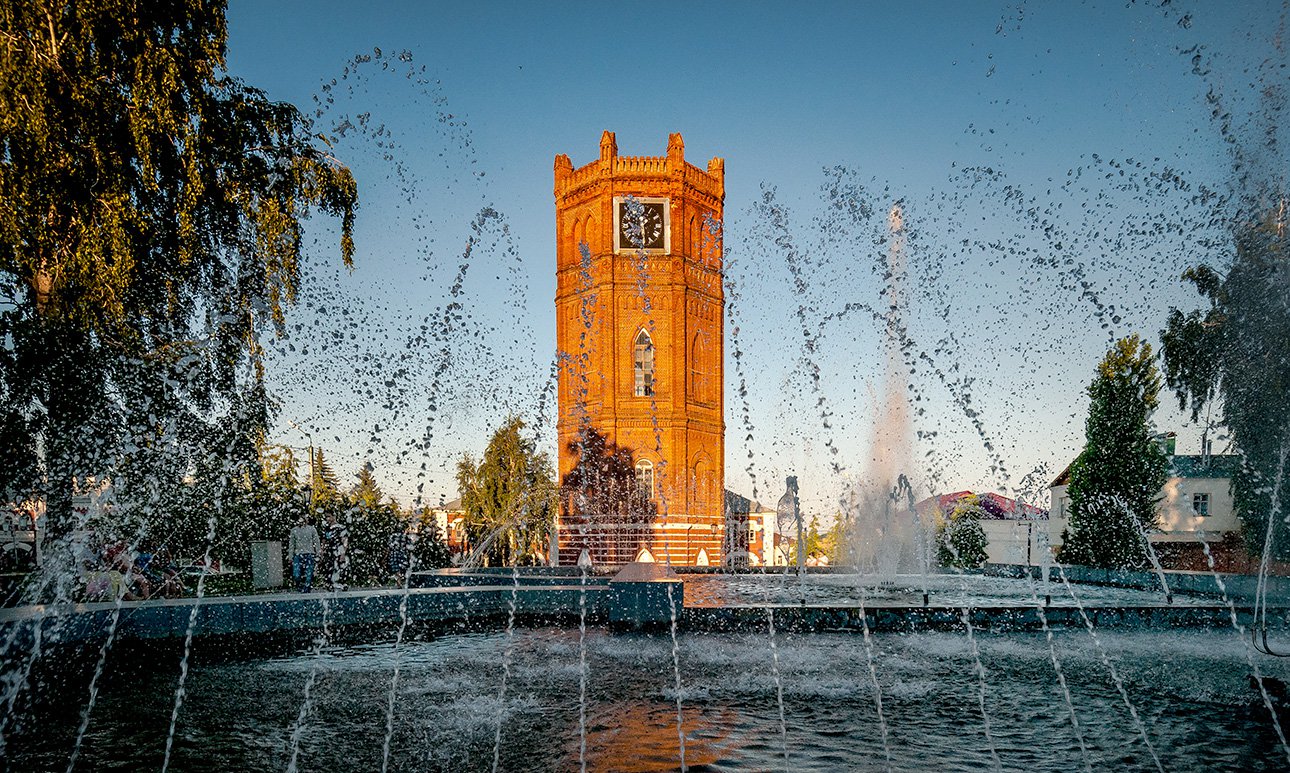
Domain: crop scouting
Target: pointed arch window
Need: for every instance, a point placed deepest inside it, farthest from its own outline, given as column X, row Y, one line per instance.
column 699, row 367
column 573, row 237
column 643, row 358
column 701, row 486
column 645, row 478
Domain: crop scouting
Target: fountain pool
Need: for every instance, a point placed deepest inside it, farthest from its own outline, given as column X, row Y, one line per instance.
column 780, row 691
column 1190, row 689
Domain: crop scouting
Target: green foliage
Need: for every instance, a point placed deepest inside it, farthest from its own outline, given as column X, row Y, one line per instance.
column 150, row 233
column 960, row 538
column 370, row 528
column 1236, row 352
column 265, row 507
column 259, row 506
column 325, row 484
column 509, row 497
column 430, row 549
column 1116, row 481
column 366, row 492
column 824, row 546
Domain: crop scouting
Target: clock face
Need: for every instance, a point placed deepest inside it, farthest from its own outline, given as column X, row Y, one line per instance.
column 641, row 225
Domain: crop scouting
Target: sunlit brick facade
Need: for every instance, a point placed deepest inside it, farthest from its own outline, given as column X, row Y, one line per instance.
column 639, row 311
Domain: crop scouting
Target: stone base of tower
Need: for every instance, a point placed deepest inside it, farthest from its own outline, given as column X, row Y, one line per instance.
column 679, row 541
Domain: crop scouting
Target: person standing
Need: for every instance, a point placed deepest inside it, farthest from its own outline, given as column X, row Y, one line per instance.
column 303, row 546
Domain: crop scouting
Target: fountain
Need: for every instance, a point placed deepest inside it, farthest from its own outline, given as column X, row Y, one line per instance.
column 880, row 661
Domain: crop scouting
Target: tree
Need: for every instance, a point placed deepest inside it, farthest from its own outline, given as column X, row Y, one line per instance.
column 370, row 528
column 603, row 482
column 429, row 551
column 325, row 485
column 150, row 235
column 1116, row 481
column 366, row 492
column 1236, row 353
column 276, row 500
column 263, row 507
column 509, row 496
column 824, row 545
column 960, row 538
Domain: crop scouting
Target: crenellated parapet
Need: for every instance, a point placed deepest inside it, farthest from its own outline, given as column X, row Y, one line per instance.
column 570, row 182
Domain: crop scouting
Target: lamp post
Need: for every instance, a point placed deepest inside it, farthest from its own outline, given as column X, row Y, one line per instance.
column 310, row 438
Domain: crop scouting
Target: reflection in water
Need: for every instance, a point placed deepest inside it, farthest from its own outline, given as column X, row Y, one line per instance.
column 842, row 589
column 635, row 737
column 239, row 712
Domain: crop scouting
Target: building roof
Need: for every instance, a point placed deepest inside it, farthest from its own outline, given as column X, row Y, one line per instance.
column 1210, row 466
column 994, row 506
column 740, row 504
column 737, row 503
column 1064, row 477
column 1182, row 466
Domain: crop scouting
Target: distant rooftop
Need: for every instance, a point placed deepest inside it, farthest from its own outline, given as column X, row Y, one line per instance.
column 1211, row 466
column 1183, row 466
column 994, row 506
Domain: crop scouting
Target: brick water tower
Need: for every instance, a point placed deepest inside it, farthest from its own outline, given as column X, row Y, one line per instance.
column 639, row 310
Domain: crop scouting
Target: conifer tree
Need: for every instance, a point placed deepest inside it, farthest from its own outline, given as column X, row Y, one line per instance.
column 326, row 487
column 509, row 496
column 1115, row 482
column 960, row 539
column 429, row 550
column 366, row 492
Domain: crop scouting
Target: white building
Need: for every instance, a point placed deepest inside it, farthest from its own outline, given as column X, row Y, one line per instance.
column 1016, row 533
column 1195, row 505
column 450, row 520
column 750, row 533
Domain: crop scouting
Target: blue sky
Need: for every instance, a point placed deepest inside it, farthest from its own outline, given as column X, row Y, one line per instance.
column 960, row 110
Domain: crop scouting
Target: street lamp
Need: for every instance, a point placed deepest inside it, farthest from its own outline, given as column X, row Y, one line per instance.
column 788, row 511
column 310, row 438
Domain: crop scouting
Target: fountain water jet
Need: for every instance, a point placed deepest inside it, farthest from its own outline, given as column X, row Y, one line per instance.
column 1110, row 667
column 188, row 642
column 308, row 698
column 506, row 665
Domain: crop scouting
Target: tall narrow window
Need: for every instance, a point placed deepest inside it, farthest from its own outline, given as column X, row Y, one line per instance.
column 645, row 478
column 643, row 356
column 699, row 368
column 1200, row 504
column 701, row 487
